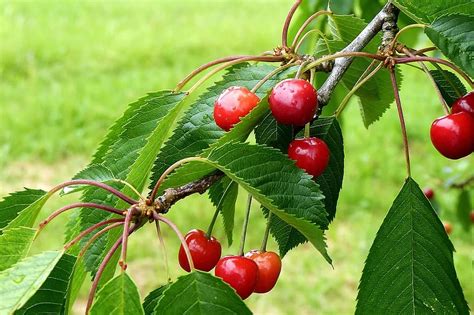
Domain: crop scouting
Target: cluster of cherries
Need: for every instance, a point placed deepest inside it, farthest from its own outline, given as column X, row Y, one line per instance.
column 257, row 271
column 453, row 135
column 292, row 102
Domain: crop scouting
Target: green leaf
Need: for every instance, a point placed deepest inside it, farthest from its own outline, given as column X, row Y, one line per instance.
column 410, row 268
column 454, row 36
column 20, row 282
column 13, row 205
column 464, row 208
column 449, row 84
column 51, row 296
column 223, row 195
column 200, row 293
column 273, row 134
column 426, row 11
column 152, row 299
column 15, row 244
column 119, row 296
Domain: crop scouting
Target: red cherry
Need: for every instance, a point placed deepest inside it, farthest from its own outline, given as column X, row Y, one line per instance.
column 464, row 104
column 429, row 193
column 310, row 154
column 293, row 102
column 233, row 104
column 204, row 251
column 453, row 135
column 448, row 227
column 239, row 272
column 269, row 267
column 472, row 216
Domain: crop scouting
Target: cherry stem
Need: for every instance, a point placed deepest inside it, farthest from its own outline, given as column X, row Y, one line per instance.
column 402, row 119
column 318, row 32
column 126, row 227
column 231, row 63
column 170, row 169
column 93, row 183
column 305, row 24
column 163, row 248
column 348, row 96
column 96, row 236
column 213, row 222
column 89, row 230
column 244, row 228
column 270, row 75
column 74, row 206
column 159, row 217
column 403, row 60
column 133, row 189
column 406, row 28
column 263, row 248
column 101, row 269
column 300, row 71
column 343, row 55
column 424, row 50
column 284, row 33
column 307, row 130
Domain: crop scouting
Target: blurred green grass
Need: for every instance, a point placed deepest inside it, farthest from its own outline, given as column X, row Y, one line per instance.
column 68, row 70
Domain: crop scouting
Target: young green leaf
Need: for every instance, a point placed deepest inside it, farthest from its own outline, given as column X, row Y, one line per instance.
column 200, row 293
column 20, row 282
column 119, row 296
column 152, row 299
column 426, row 11
column 14, row 244
column 410, row 267
column 51, row 296
column 464, row 208
column 449, row 85
column 13, row 205
column 454, row 36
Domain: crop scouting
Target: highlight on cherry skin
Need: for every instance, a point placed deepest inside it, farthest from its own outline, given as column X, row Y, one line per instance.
column 205, row 251
column 311, row 154
column 239, row 272
column 233, row 103
column 269, row 268
column 293, row 102
column 464, row 104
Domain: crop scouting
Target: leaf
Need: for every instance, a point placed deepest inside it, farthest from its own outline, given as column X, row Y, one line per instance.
column 152, row 299
column 15, row 244
column 51, row 296
column 223, row 195
column 463, row 209
column 449, row 84
column 273, row 134
column 197, row 130
column 97, row 172
column 119, row 296
column 454, row 36
column 426, row 11
column 200, row 293
column 410, row 264
column 20, row 282
column 16, row 203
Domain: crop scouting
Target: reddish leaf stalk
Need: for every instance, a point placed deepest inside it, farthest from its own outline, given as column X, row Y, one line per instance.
column 89, row 230
column 284, row 33
column 305, row 24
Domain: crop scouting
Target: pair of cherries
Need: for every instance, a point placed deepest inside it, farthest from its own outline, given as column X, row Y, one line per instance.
column 257, row 271
column 292, row 102
column 453, row 135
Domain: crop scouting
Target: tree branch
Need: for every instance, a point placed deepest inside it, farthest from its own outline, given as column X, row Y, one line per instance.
column 388, row 14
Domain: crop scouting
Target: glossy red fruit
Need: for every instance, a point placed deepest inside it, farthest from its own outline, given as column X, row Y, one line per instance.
column 464, row 104
column 472, row 216
column 453, row 135
column 233, row 104
column 269, row 267
column 205, row 252
column 239, row 272
column 429, row 193
column 293, row 102
column 310, row 154
column 448, row 227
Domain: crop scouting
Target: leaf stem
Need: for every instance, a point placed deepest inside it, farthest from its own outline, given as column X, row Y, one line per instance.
column 163, row 248
column 263, row 248
column 348, row 96
column 306, row 35
column 244, row 228
column 305, row 24
column 402, row 120
column 270, row 75
column 89, row 230
column 286, row 25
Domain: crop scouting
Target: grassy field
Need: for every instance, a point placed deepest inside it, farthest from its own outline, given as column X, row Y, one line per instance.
column 68, row 70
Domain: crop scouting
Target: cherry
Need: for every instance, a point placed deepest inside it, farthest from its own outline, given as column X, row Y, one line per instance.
column 310, row 154
column 239, row 272
column 471, row 215
column 269, row 267
column 293, row 102
column 448, row 227
column 464, row 104
column 429, row 193
column 453, row 135
column 233, row 104
column 205, row 251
